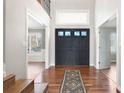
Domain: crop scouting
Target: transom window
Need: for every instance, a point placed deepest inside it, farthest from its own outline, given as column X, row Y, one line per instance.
column 72, row 17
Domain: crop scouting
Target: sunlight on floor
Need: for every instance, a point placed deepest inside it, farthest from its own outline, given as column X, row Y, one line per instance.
column 35, row 70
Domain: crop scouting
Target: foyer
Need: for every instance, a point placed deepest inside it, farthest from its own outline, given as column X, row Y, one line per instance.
column 43, row 38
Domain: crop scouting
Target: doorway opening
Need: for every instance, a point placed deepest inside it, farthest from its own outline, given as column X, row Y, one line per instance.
column 107, row 48
column 35, row 49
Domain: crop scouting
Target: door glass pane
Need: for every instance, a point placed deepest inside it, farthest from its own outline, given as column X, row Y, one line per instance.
column 83, row 33
column 77, row 33
column 67, row 33
column 60, row 33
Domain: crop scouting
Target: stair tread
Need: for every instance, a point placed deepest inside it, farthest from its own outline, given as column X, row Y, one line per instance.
column 8, row 76
column 8, row 80
column 40, row 87
column 18, row 86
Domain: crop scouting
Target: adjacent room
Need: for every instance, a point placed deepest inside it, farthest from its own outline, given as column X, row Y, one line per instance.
column 107, row 49
column 35, row 48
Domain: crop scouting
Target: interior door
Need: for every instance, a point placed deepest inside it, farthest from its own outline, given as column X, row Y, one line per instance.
column 72, row 47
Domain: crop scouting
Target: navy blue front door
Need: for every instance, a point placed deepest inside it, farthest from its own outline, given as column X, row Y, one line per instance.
column 72, row 46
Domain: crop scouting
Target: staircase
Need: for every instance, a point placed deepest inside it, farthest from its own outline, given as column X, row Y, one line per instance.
column 11, row 85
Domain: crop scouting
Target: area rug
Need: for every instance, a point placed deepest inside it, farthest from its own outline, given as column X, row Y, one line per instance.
column 72, row 82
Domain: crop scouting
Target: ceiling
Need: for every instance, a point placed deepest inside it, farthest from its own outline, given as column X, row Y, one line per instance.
column 33, row 24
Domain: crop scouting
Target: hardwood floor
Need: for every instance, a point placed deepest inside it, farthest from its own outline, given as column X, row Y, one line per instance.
column 35, row 71
column 95, row 81
column 111, row 72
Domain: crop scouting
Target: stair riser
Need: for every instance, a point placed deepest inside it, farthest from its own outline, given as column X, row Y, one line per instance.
column 9, row 82
column 29, row 88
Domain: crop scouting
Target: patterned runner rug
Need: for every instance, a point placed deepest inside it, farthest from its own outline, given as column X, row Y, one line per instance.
column 72, row 82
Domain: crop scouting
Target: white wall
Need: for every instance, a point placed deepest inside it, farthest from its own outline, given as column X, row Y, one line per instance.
column 37, row 57
column 15, row 44
column 104, row 48
column 73, row 5
column 113, row 38
column 107, row 50
column 104, row 10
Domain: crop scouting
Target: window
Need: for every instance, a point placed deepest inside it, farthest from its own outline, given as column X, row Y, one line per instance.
column 67, row 33
column 77, row 33
column 71, row 17
column 60, row 33
column 83, row 33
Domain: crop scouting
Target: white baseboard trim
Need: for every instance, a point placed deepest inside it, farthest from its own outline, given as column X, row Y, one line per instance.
column 92, row 65
column 47, row 66
column 113, row 61
column 52, row 65
column 37, row 61
column 96, row 66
